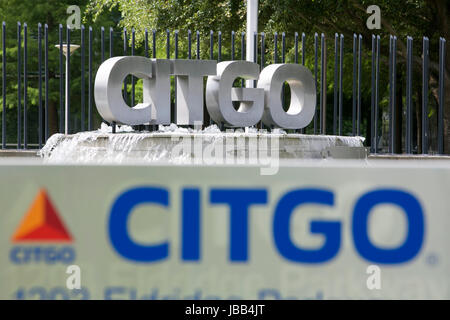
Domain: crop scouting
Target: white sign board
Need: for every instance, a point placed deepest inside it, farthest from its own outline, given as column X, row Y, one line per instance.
column 342, row 230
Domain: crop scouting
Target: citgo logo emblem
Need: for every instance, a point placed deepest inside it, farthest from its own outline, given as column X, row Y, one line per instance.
column 42, row 224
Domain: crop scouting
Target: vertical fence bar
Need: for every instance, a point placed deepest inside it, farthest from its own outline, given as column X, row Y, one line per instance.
column 354, row 87
column 425, row 95
column 83, row 107
column 61, row 81
column 275, row 47
column 25, row 86
column 358, row 106
column 176, row 44
column 302, row 130
column 263, row 49
column 316, row 40
column 198, row 44
column 303, row 49
column 377, row 95
column 67, row 111
column 233, row 48
column 153, row 127
column 154, row 44
column 102, row 43
column 211, row 45
column 172, row 106
column 296, row 59
column 372, row 96
column 4, row 85
column 341, row 67
column 90, row 81
column 111, row 54
column 335, row 84
column 394, row 79
column 243, row 46
column 323, row 85
column 19, row 86
column 242, row 53
column 125, row 53
column 211, row 57
column 391, row 109
column 283, row 59
column 47, row 130
column 409, row 48
column 255, row 52
column 83, row 102
column 40, row 85
column 263, row 56
column 111, row 42
column 219, row 53
column 146, row 43
column 146, row 54
column 102, row 50
column 442, row 50
column 189, row 44
column 175, row 80
column 133, row 80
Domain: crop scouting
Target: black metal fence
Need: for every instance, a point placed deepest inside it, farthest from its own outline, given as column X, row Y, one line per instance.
column 388, row 129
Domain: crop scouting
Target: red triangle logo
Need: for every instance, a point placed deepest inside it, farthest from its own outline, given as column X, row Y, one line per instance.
column 42, row 223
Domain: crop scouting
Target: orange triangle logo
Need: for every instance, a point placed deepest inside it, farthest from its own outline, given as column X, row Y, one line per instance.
column 42, row 223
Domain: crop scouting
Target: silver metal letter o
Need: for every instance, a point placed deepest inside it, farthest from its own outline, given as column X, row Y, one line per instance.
column 303, row 95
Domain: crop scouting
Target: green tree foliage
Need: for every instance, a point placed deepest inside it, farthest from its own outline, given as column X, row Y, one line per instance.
column 52, row 13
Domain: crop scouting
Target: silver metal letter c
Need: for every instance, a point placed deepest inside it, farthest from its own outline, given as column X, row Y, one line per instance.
column 108, row 90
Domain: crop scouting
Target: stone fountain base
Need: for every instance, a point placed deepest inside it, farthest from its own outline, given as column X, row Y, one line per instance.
column 183, row 146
